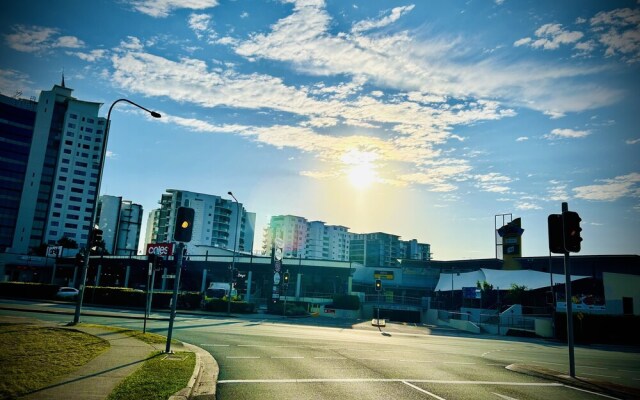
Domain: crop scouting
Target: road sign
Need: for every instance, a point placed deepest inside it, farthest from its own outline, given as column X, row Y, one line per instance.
column 54, row 251
column 278, row 253
column 276, row 278
column 168, row 277
column 279, row 242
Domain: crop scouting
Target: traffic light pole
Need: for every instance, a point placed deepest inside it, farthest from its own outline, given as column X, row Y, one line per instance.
column 569, row 302
column 174, row 301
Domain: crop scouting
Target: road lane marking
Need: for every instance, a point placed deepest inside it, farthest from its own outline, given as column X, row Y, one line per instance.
column 422, row 390
column 242, row 357
column 360, row 380
column 416, row 361
column 595, row 393
column 373, row 359
column 502, row 396
column 214, row 345
column 330, row 358
column 253, row 345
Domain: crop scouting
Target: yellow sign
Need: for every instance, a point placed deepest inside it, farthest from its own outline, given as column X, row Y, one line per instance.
column 388, row 275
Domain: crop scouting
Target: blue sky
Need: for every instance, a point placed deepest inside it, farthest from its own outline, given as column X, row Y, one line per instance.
column 421, row 119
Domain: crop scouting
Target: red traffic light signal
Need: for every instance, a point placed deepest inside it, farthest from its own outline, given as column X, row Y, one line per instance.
column 184, row 224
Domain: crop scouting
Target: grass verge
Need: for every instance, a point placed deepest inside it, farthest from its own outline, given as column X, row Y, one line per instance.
column 34, row 356
column 150, row 338
column 158, row 378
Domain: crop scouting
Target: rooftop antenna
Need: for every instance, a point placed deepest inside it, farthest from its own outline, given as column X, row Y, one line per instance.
column 63, row 78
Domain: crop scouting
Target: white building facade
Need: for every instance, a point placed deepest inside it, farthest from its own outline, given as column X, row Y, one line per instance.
column 307, row 239
column 121, row 224
column 214, row 223
column 61, row 173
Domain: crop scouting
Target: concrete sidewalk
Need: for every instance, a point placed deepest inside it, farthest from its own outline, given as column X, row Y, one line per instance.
column 99, row 377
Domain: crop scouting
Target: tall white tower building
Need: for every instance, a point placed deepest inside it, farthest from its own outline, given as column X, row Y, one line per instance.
column 59, row 175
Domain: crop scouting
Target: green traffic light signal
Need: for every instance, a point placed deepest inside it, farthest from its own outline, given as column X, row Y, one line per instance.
column 378, row 284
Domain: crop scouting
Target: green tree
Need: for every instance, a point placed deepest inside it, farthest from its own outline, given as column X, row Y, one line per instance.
column 516, row 293
column 67, row 243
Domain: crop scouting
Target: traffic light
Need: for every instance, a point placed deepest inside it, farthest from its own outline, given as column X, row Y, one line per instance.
column 285, row 278
column 378, row 285
column 572, row 231
column 79, row 259
column 96, row 238
column 556, row 233
column 184, row 224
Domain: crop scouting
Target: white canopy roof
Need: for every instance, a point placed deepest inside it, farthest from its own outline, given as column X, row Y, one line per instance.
column 500, row 279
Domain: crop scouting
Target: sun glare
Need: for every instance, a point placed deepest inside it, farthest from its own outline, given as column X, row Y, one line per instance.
column 361, row 170
column 361, row 176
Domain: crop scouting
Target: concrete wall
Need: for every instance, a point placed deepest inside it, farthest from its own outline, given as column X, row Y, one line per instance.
column 617, row 286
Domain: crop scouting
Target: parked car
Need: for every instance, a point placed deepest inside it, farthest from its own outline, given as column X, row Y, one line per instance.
column 67, row 293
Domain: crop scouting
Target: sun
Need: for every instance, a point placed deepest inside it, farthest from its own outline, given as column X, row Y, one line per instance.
column 361, row 176
column 360, row 168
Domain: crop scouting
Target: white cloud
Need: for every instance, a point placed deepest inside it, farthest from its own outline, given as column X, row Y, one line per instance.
column 431, row 66
column 551, row 36
column 522, row 139
column 12, row 82
column 395, row 14
column 522, row 42
column 162, row 8
column 611, row 189
column 527, row 206
column 37, row 39
column 493, row 182
column 92, row 56
column 619, row 32
column 557, row 191
column 632, row 141
column 566, row 134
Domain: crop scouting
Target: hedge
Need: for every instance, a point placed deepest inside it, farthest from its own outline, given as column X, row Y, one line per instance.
column 345, row 302
column 27, row 290
column 241, row 307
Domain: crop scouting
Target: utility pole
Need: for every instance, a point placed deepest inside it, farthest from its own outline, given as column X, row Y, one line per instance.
column 174, row 299
column 568, row 300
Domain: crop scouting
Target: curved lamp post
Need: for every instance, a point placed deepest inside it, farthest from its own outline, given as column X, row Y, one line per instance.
column 235, row 243
column 85, row 266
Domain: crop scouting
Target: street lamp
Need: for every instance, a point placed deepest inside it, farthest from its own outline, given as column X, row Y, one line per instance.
column 235, row 243
column 85, row 266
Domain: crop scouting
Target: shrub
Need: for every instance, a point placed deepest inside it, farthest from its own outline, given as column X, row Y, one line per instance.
column 26, row 290
column 114, row 296
column 293, row 308
column 241, row 307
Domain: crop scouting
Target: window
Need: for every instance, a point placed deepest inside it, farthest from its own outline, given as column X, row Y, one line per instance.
column 91, row 121
column 81, row 164
column 67, row 151
column 76, row 190
column 64, row 169
column 63, row 178
column 89, row 130
column 74, row 208
column 73, row 116
column 55, row 223
column 68, row 142
column 74, row 198
column 53, row 233
column 57, row 205
column 73, row 216
column 71, row 226
column 70, row 125
column 59, row 196
column 60, row 187
column 79, row 181
column 65, row 161
column 70, row 134
column 81, row 173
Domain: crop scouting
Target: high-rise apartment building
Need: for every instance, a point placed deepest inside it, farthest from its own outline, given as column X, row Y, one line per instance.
column 376, row 249
column 49, row 163
column 413, row 250
column 307, row 239
column 214, row 223
column 121, row 223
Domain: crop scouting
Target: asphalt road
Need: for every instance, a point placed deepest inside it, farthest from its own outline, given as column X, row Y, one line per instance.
column 265, row 358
